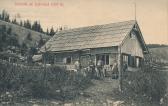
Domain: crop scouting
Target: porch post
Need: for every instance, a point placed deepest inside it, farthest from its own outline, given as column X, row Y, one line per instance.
column 120, row 68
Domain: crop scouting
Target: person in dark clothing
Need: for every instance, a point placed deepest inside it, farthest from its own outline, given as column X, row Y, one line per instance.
column 125, row 66
column 115, row 70
column 92, row 68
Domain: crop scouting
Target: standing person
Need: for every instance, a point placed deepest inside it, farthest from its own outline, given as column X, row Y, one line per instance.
column 77, row 69
column 100, row 68
column 77, row 65
column 92, row 68
column 125, row 67
column 115, row 70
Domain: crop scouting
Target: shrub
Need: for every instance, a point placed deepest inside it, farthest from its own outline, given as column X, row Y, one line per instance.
column 40, row 82
column 147, row 83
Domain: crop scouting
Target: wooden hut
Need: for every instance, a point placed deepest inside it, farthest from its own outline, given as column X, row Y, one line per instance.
column 115, row 42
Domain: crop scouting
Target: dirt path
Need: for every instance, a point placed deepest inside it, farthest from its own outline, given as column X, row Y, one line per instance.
column 98, row 94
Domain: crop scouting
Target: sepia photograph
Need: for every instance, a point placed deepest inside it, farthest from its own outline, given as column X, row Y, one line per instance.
column 83, row 52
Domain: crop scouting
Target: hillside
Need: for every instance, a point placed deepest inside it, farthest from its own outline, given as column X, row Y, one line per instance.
column 23, row 33
column 18, row 43
column 160, row 52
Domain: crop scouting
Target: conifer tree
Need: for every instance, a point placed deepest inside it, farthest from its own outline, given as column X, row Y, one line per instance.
column 52, row 32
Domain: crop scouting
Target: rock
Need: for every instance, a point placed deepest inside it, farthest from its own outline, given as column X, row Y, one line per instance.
column 118, row 103
column 104, row 104
column 7, row 93
column 35, row 105
column 55, row 103
column 161, row 101
column 132, row 104
column 31, row 101
column 81, row 93
column 58, row 91
column 77, row 103
column 68, row 104
column 109, row 102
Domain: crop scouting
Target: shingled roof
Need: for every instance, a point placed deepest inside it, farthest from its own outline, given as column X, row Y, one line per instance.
column 97, row 36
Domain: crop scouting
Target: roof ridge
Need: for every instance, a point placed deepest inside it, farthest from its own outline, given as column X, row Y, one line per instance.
column 84, row 27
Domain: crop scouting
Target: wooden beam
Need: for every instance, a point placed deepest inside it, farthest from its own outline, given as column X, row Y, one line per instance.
column 120, row 68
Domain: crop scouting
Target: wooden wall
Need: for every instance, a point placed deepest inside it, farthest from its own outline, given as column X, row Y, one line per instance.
column 84, row 56
column 132, row 46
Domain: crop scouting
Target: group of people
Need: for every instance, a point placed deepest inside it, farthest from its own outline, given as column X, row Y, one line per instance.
column 98, row 70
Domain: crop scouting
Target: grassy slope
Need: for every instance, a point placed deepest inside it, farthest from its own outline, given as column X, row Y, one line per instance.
column 160, row 52
column 22, row 33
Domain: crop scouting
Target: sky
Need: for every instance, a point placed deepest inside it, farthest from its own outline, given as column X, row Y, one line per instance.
column 151, row 15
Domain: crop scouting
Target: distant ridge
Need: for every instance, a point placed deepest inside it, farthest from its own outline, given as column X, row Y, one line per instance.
column 156, row 45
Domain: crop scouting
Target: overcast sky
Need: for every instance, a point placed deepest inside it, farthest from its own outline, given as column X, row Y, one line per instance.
column 152, row 15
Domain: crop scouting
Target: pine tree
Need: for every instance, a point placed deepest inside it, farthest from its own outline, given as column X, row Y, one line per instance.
column 14, row 21
column 37, row 27
column 60, row 28
column 52, row 32
column 47, row 32
column 21, row 23
column 5, row 16
column 28, row 24
column 34, row 26
column 24, row 23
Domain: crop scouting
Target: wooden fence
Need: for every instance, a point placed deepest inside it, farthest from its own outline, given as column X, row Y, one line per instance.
column 153, row 63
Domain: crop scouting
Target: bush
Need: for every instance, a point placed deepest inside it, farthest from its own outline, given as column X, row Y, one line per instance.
column 147, row 83
column 41, row 82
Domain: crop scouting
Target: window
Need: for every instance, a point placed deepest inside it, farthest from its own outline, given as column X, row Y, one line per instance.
column 131, row 61
column 104, row 58
column 132, row 35
column 68, row 60
column 107, row 59
column 59, row 59
column 51, row 61
column 125, row 59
